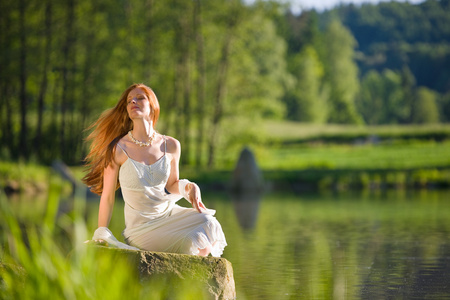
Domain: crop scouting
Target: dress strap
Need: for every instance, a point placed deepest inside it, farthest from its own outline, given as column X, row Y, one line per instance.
column 123, row 150
column 165, row 150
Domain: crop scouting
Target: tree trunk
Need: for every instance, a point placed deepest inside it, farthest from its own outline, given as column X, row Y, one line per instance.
column 177, row 108
column 67, row 49
column 130, row 65
column 23, row 149
column 5, row 82
column 89, row 60
column 172, row 111
column 148, row 30
column 8, row 135
column 182, row 85
column 201, row 82
column 233, row 19
column 186, row 77
column 43, row 88
column 220, row 95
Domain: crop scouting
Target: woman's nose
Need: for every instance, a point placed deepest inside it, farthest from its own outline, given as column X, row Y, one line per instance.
column 133, row 100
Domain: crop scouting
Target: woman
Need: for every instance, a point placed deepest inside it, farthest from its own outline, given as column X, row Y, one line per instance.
column 127, row 151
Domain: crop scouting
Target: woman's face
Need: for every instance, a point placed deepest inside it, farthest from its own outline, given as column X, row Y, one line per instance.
column 138, row 105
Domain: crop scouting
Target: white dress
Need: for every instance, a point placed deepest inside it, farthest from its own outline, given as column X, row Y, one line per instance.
column 153, row 220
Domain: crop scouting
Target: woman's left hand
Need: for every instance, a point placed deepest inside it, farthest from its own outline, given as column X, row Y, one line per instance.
column 195, row 197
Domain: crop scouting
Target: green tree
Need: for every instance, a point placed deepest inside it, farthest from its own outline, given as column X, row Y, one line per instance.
column 444, row 105
column 395, row 34
column 370, row 102
column 209, row 62
column 308, row 99
column 341, row 73
column 425, row 108
column 396, row 106
column 381, row 99
column 254, row 86
column 408, row 83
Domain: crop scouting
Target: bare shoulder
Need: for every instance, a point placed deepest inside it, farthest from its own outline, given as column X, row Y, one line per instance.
column 173, row 145
column 119, row 154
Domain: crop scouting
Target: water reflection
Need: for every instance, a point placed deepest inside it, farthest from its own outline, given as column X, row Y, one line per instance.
column 357, row 246
column 246, row 207
column 323, row 246
column 422, row 277
column 246, row 189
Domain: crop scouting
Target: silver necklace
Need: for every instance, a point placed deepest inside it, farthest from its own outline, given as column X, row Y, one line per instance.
column 142, row 144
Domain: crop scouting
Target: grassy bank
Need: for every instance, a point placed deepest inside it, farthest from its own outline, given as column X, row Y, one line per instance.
column 293, row 132
column 397, row 155
column 303, row 156
column 308, row 156
column 23, row 177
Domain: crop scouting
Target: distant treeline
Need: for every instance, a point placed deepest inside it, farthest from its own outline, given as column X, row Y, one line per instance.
column 219, row 69
column 394, row 62
column 394, row 35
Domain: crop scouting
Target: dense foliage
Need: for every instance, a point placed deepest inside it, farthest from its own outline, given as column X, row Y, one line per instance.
column 219, row 68
column 402, row 53
column 208, row 62
column 397, row 34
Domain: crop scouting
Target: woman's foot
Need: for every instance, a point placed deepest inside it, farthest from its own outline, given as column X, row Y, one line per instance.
column 204, row 252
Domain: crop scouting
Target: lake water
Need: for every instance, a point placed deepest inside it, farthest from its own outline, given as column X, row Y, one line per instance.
column 361, row 245
column 365, row 245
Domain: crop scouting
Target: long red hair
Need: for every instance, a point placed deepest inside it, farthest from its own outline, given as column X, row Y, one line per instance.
column 111, row 126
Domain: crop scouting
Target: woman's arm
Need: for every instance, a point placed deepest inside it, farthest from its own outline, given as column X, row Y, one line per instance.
column 106, row 206
column 108, row 195
column 174, row 150
column 191, row 189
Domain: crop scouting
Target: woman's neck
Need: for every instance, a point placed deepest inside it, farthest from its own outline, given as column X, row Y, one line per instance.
column 142, row 129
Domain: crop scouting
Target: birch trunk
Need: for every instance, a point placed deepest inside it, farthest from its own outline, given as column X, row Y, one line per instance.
column 43, row 87
column 67, row 51
column 23, row 150
column 200, row 83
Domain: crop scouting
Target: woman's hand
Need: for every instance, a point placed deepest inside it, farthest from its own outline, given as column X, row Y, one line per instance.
column 195, row 197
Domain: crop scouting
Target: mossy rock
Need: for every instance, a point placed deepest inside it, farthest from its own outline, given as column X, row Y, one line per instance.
column 212, row 275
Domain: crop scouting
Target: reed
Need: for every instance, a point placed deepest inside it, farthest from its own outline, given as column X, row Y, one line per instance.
column 48, row 259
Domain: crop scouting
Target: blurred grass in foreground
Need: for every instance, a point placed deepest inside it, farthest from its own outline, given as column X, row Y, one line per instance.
column 45, row 258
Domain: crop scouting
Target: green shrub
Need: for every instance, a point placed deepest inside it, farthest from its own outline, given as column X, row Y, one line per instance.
column 48, row 260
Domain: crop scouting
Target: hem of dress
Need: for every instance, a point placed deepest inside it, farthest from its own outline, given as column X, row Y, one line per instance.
column 200, row 238
column 212, row 238
column 216, row 249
